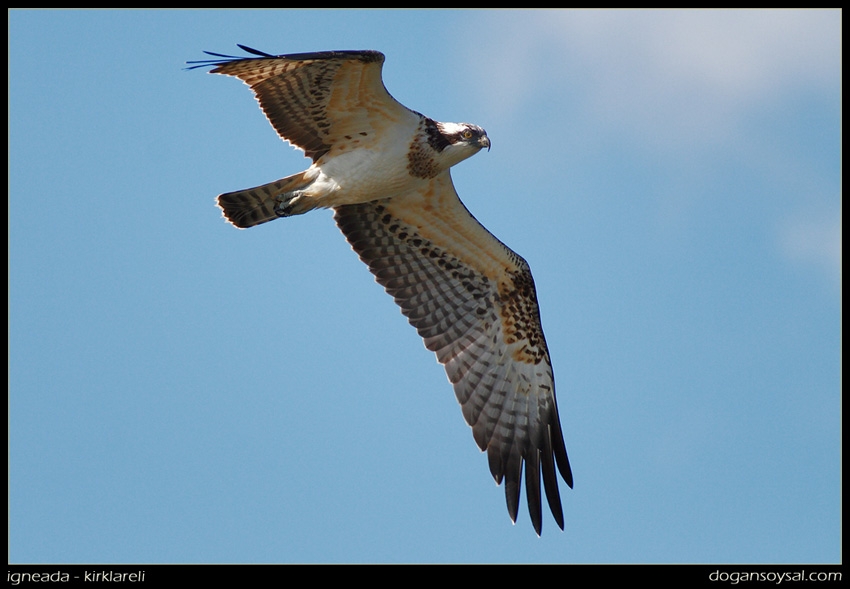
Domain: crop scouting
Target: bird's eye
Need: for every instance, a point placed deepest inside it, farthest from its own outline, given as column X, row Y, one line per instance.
column 466, row 134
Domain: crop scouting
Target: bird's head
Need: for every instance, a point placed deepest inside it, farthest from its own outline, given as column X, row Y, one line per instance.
column 460, row 141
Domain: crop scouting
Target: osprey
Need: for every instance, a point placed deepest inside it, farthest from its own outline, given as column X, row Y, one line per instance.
column 384, row 170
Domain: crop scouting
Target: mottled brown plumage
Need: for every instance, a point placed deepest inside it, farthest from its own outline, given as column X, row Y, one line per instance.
column 384, row 169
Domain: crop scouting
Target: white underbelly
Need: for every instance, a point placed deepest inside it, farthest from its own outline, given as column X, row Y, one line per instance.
column 362, row 175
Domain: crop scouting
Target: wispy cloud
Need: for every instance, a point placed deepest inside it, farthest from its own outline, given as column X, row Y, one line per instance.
column 669, row 75
column 814, row 242
column 691, row 91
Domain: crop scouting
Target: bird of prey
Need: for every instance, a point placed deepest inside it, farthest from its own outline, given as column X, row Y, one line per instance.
column 384, row 170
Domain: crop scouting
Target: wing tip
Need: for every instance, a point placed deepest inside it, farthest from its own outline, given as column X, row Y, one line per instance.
column 222, row 59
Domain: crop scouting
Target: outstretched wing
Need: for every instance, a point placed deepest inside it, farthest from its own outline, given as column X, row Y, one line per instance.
column 318, row 101
column 473, row 302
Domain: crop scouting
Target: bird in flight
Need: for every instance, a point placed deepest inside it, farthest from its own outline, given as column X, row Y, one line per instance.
column 385, row 171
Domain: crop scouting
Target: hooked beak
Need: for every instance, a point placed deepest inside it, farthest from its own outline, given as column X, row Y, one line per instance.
column 484, row 141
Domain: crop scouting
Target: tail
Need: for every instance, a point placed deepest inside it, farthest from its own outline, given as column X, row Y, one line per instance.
column 252, row 206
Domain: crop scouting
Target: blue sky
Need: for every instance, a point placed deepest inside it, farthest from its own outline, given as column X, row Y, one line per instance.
column 180, row 391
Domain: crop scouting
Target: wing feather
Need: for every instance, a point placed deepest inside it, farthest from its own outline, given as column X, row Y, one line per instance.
column 318, row 101
column 473, row 302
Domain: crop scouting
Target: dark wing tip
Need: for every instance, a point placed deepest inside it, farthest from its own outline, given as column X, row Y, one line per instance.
column 199, row 63
column 560, row 450
column 532, row 491
column 366, row 56
column 253, row 51
column 543, row 461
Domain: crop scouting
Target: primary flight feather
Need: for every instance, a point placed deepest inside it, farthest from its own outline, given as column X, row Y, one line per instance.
column 384, row 170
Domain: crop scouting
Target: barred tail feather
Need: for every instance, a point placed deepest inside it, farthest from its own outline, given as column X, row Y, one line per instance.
column 253, row 206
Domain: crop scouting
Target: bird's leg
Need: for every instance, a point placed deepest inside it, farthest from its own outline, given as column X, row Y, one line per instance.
column 286, row 203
